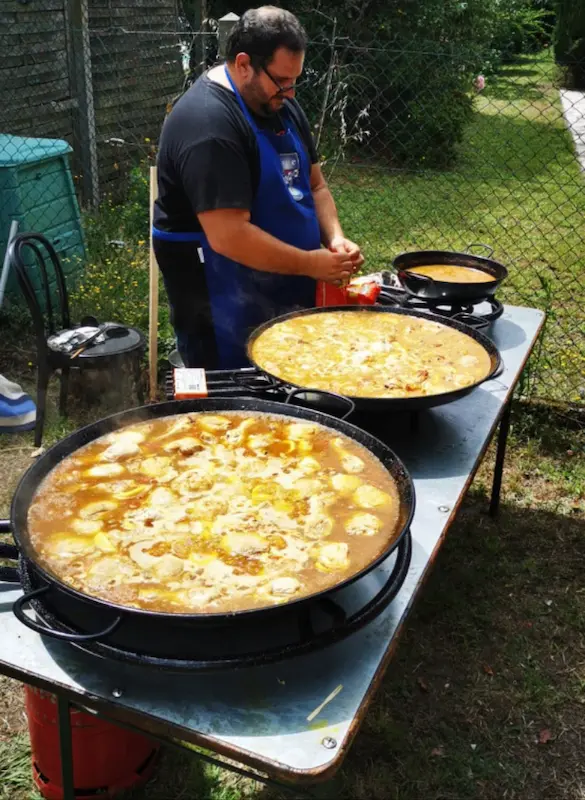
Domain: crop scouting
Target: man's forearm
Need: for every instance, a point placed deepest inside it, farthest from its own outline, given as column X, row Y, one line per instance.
column 253, row 247
column 329, row 224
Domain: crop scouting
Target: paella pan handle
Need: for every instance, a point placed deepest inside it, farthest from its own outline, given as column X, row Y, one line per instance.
column 37, row 627
column 469, row 319
column 390, row 589
column 9, row 551
column 479, row 244
column 249, row 380
column 413, row 282
column 338, row 614
column 371, row 610
column 348, row 401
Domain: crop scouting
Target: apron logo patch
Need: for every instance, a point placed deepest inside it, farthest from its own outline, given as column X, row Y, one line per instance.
column 291, row 170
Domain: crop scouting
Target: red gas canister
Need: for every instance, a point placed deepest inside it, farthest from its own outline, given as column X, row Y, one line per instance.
column 106, row 759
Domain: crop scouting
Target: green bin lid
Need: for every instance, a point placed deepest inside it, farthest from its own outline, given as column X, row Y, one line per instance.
column 16, row 150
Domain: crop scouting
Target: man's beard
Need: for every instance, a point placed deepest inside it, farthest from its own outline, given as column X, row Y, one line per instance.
column 259, row 105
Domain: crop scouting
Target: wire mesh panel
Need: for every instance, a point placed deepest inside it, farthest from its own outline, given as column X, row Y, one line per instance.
column 497, row 160
column 430, row 138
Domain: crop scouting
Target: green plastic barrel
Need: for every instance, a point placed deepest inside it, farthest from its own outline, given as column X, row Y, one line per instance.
column 36, row 188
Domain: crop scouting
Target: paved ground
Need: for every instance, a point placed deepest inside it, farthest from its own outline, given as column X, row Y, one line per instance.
column 574, row 113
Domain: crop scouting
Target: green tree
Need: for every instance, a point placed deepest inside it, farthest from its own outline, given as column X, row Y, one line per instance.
column 397, row 81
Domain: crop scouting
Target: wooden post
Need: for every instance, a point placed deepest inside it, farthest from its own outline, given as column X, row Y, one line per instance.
column 81, row 81
column 226, row 24
column 153, row 300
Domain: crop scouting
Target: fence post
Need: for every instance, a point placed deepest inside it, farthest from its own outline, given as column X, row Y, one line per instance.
column 196, row 13
column 226, row 24
column 81, row 82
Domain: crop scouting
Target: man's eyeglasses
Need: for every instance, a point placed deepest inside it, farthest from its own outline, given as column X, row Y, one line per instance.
column 283, row 89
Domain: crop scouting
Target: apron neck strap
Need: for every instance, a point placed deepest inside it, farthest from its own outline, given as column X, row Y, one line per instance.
column 241, row 103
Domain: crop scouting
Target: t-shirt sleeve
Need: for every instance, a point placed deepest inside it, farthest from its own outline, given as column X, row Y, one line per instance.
column 305, row 131
column 215, row 174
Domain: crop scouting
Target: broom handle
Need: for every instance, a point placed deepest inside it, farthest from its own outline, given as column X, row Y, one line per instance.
column 153, row 298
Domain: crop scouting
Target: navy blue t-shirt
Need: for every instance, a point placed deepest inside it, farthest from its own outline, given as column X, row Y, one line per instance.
column 208, row 157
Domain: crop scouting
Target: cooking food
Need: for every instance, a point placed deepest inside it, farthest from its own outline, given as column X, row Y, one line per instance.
column 210, row 513
column 368, row 354
column 450, row 273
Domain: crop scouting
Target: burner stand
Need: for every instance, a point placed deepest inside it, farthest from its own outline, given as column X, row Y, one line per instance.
column 478, row 315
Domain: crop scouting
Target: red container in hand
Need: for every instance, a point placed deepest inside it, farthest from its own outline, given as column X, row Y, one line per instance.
column 362, row 292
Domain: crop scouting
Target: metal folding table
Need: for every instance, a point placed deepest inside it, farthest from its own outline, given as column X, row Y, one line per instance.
column 258, row 717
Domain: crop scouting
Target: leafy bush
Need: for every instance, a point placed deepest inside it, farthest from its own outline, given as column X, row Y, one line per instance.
column 402, row 85
column 397, row 83
column 521, row 26
column 134, row 212
column 404, row 104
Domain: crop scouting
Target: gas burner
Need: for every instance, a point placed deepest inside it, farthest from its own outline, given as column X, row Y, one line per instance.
column 477, row 315
column 243, row 382
column 251, row 382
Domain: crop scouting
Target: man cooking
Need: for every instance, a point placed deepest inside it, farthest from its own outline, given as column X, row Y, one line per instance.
column 243, row 207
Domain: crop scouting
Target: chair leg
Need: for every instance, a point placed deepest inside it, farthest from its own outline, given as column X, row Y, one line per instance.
column 42, row 384
column 64, row 389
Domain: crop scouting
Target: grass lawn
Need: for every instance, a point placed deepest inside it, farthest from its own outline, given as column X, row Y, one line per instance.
column 517, row 187
column 485, row 696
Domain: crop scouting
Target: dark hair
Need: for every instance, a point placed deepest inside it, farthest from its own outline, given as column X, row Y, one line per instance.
column 261, row 31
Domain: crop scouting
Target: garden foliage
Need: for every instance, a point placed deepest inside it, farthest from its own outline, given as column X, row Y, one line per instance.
column 397, row 77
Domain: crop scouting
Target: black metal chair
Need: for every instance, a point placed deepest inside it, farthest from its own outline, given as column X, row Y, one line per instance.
column 52, row 316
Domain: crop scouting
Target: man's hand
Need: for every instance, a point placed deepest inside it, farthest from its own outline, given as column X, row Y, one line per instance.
column 231, row 233
column 339, row 244
column 325, row 265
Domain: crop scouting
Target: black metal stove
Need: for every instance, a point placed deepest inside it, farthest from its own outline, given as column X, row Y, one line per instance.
column 328, row 620
column 479, row 315
column 251, row 382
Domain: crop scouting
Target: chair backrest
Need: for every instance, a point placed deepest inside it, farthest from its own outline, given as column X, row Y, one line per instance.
column 52, row 314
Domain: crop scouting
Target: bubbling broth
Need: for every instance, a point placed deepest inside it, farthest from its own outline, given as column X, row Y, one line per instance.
column 450, row 273
column 209, row 513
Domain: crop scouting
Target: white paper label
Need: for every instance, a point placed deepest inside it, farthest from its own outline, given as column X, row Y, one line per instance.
column 190, row 381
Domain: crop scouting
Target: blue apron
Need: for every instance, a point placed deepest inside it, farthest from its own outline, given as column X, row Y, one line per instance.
column 241, row 297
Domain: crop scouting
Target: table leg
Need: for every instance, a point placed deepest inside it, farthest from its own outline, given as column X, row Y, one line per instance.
column 65, row 747
column 500, row 455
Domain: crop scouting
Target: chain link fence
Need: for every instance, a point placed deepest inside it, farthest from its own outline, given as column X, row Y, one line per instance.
column 427, row 145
